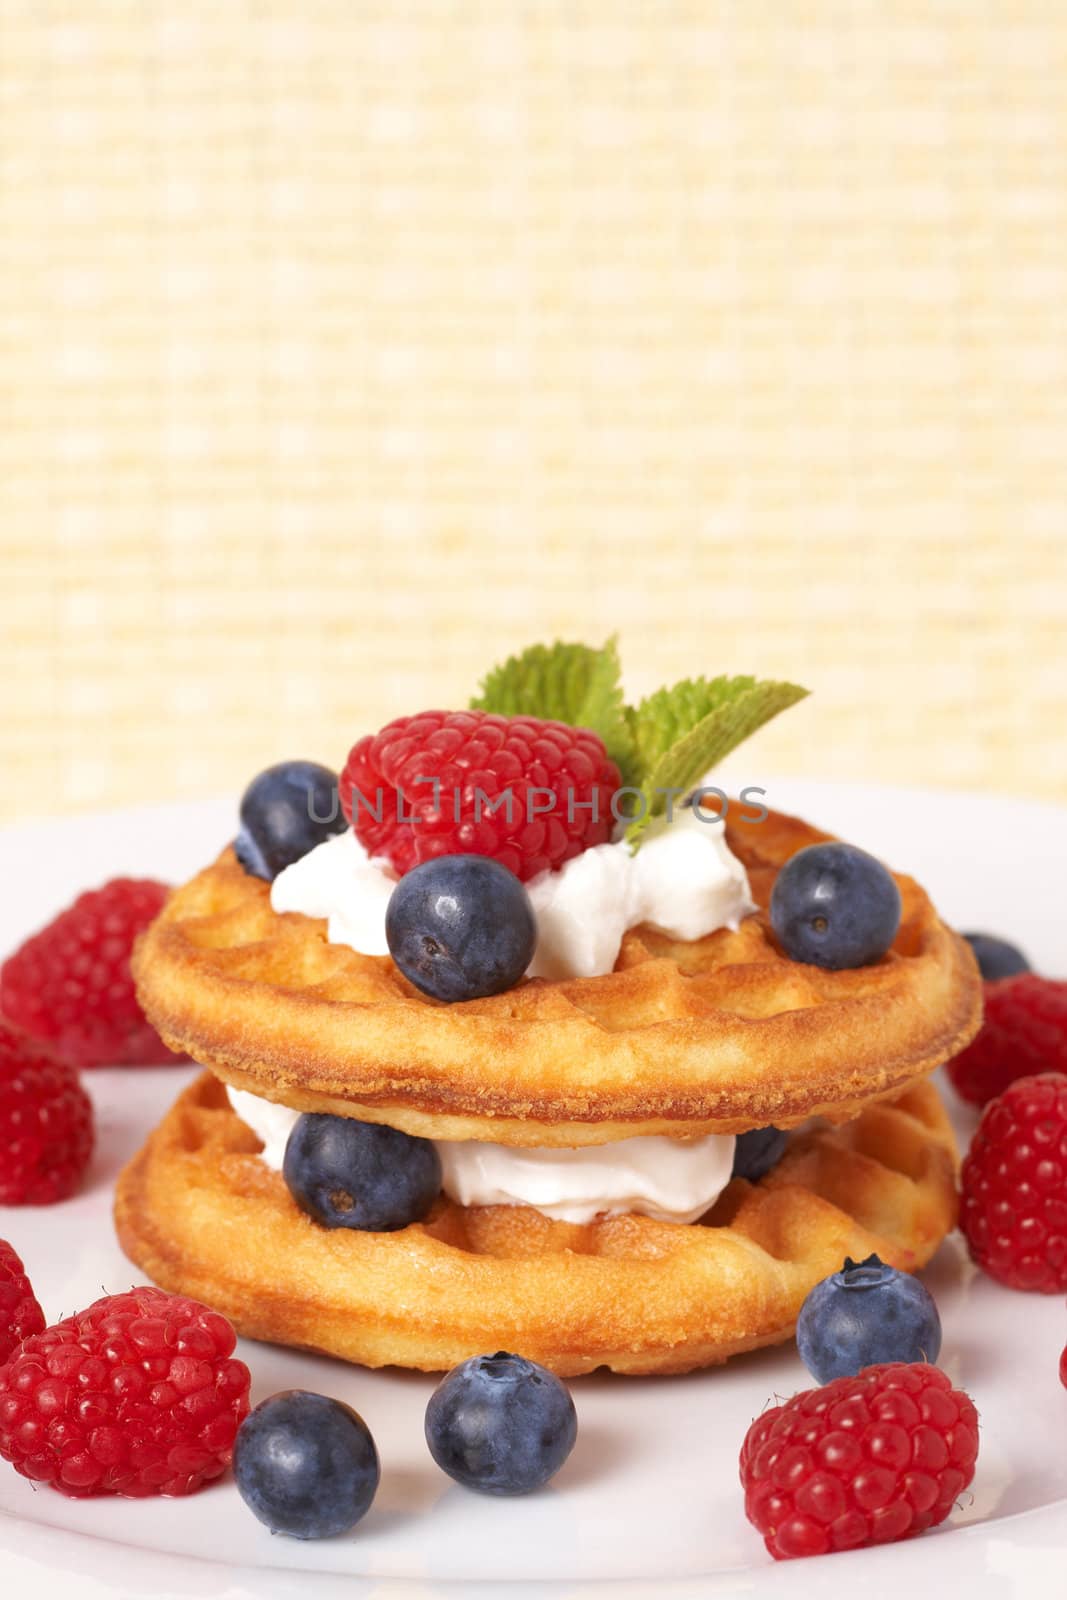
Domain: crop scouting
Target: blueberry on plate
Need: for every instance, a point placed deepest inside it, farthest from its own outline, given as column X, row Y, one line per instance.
column 306, row 1465
column 864, row 1315
column 835, row 906
column 996, row 958
column 349, row 1174
column 460, row 927
column 501, row 1424
column 285, row 812
column 757, row 1151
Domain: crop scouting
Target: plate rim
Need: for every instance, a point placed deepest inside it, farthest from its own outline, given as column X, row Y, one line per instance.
column 960, row 1553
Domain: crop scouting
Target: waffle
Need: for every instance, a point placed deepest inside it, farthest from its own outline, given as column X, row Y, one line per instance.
column 714, row 1036
column 202, row 1215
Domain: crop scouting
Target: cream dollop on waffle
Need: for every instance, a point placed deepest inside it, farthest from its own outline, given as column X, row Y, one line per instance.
column 685, row 881
column 672, row 1180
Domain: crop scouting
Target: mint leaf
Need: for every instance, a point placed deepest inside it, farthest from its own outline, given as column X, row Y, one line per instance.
column 669, row 741
column 678, row 734
column 572, row 683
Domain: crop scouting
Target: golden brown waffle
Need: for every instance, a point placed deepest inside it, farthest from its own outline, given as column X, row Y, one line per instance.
column 202, row 1215
column 715, row 1036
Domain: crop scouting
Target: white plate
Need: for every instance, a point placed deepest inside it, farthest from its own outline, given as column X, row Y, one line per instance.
column 649, row 1503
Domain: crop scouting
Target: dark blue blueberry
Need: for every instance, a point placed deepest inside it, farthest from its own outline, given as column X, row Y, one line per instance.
column 757, row 1151
column 460, row 927
column 349, row 1174
column 835, row 906
column 864, row 1315
column 501, row 1424
column 996, row 958
column 285, row 812
column 306, row 1465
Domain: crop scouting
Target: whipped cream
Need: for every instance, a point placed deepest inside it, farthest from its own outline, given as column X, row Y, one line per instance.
column 272, row 1124
column 338, row 880
column 684, row 880
column 672, row 1180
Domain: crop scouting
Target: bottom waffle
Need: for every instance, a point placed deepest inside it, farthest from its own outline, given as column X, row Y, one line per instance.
column 202, row 1215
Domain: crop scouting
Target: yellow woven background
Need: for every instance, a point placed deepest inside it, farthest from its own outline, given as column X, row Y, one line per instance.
column 347, row 346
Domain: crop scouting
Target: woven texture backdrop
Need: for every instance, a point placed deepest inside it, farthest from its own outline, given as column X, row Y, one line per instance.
column 347, row 347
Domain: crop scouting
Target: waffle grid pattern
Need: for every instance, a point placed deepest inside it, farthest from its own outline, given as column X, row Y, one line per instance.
column 626, row 1292
column 720, row 1034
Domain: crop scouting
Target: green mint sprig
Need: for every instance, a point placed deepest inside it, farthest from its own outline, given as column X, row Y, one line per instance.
column 680, row 733
column 665, row 743
column 572, row 683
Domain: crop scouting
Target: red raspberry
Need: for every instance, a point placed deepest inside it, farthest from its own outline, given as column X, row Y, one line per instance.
column 20, row 1315
column 479, row 759
column 138, row 1395
column 1013, row 1207
column 46, row 1124
column 863, row 1460
column 1063, row 1367
column 1024, row 1031
column 71, row 986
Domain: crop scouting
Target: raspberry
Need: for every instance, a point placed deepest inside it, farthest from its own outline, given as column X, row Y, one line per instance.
column 1025, row 1031
column 46, row 1124
column 20, row 1315
column 70, row 985
column 559, row 779
column 864, row 1460
column 139, row 1395
column 1013, row 1207
column 1063, row 1367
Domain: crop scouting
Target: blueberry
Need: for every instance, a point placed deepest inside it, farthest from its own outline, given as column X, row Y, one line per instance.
column 864, row 1315
column 285, row 812
column 757, row 1151
column 501, row 1424
column 306, row 1465
column 997, row 958
column 460, row 927
column 349, row 1174
column 835, row 906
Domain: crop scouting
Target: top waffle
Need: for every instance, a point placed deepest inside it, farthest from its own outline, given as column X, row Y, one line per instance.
column 714, row 1036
